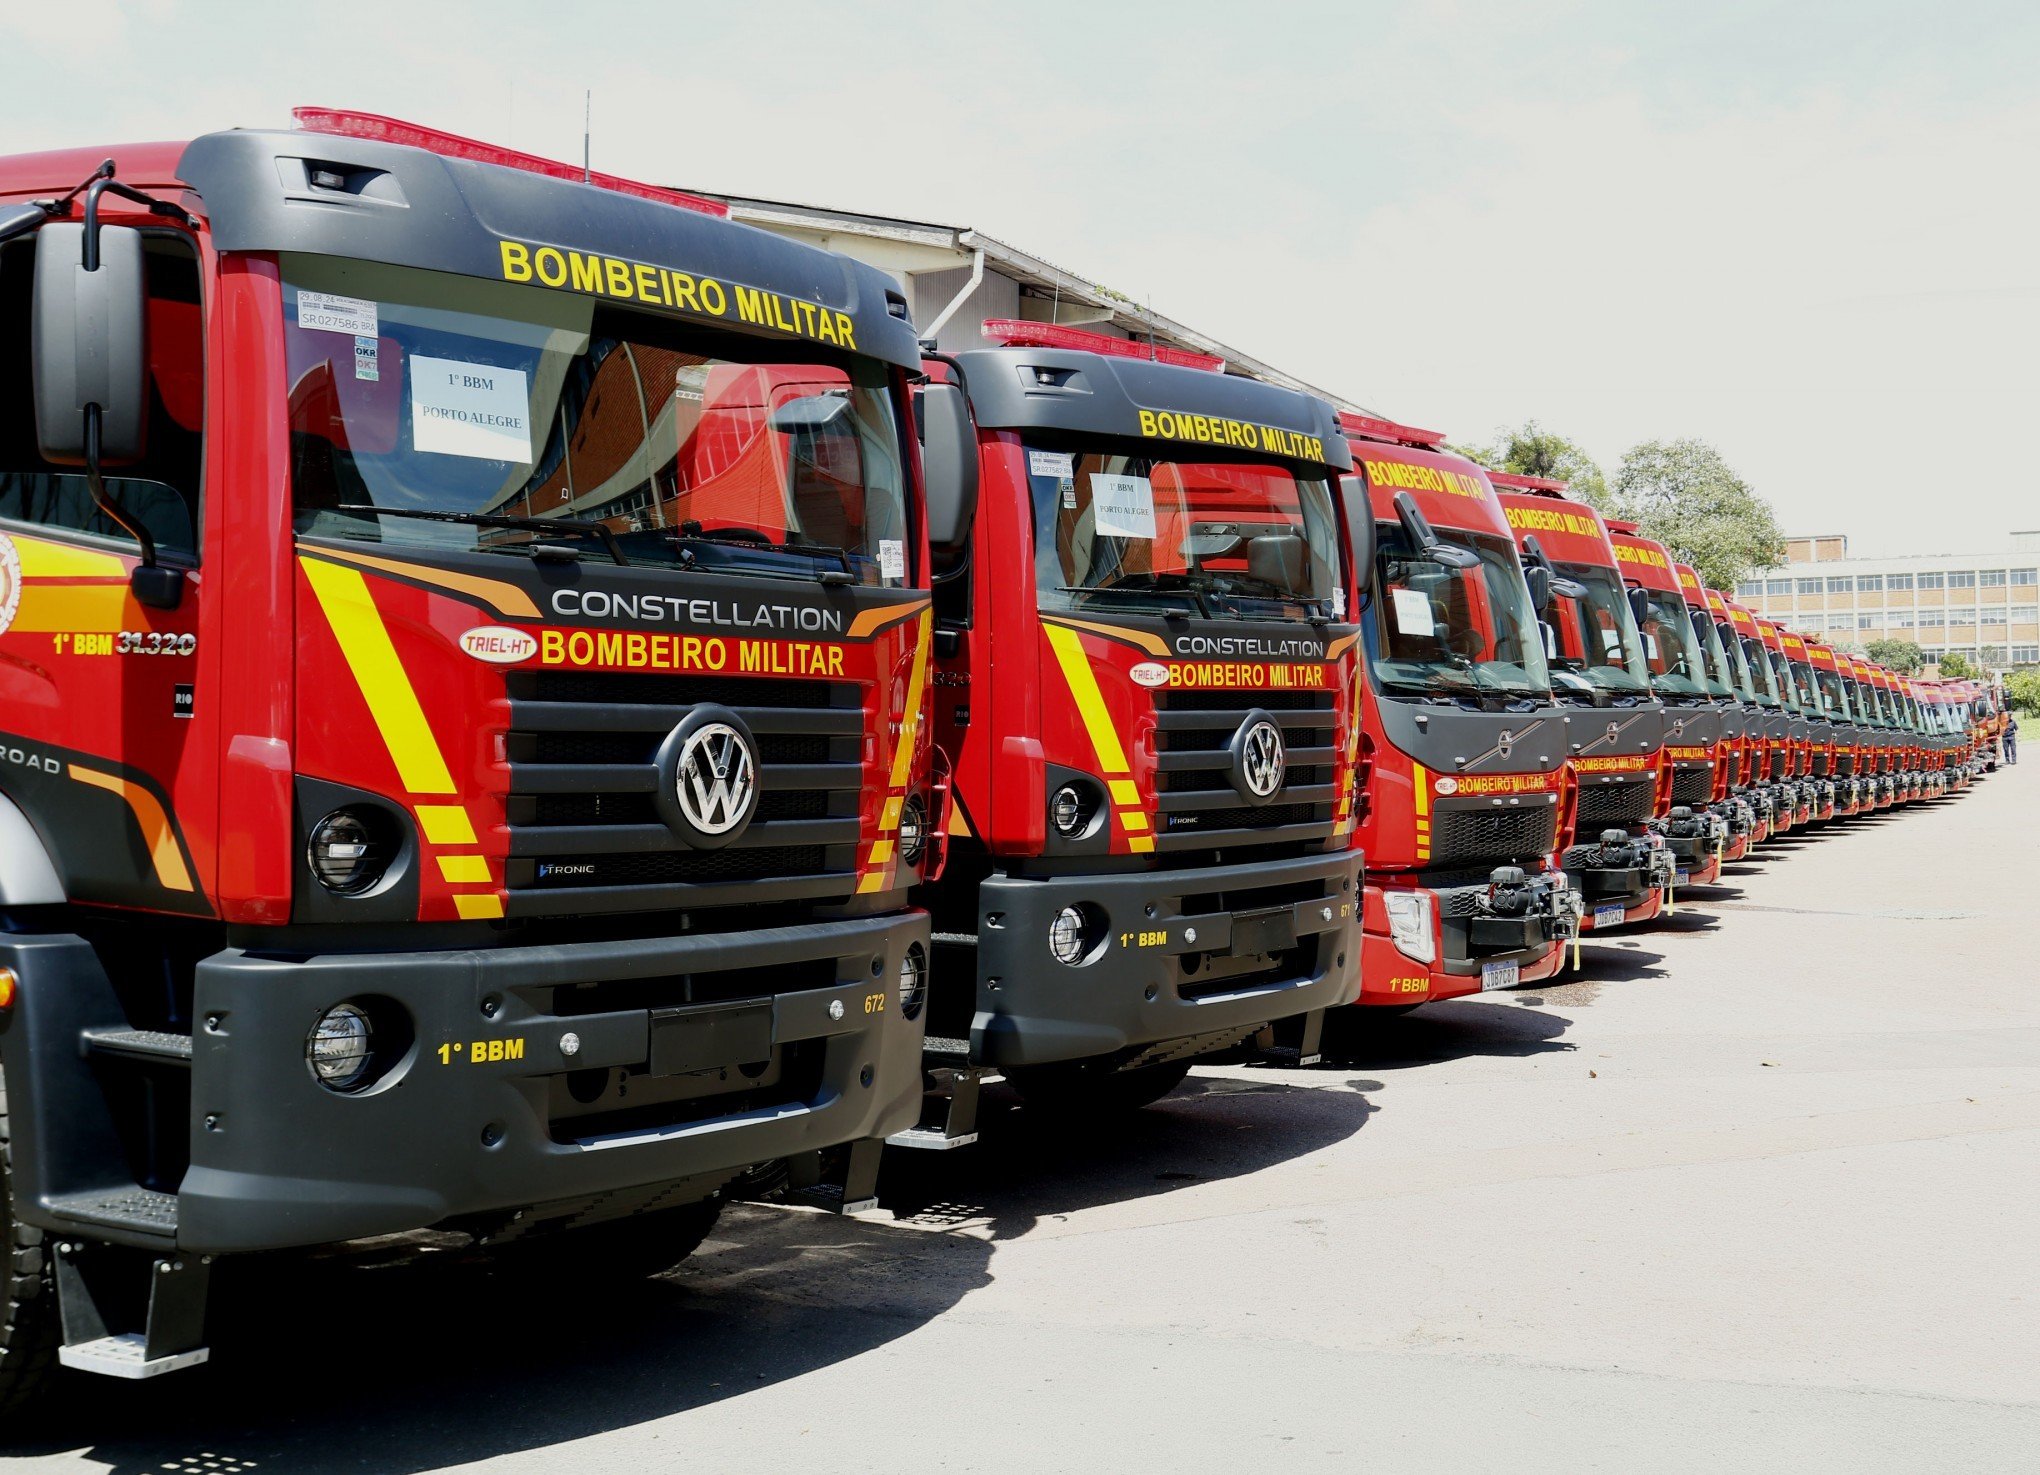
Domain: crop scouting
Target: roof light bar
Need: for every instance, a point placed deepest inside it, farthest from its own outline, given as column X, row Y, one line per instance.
column 1013, row 333
column 1372, row 427
column 1517, row 482
column 374, row 126
column 1618, row 525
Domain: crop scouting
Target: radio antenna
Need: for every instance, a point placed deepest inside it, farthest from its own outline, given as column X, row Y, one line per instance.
column 587, row 112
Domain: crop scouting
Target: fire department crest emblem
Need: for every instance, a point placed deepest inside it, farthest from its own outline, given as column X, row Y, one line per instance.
column 10, row 582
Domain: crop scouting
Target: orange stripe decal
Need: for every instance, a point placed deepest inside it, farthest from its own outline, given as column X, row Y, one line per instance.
column 156, row 832
column 507, row 599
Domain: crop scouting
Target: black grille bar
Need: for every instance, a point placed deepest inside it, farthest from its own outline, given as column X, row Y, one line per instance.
column 1198, row 810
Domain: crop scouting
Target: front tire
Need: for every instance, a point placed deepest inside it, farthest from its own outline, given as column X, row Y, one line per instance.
column 29, row 1327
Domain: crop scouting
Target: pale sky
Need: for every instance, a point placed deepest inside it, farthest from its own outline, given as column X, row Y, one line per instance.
column 1806, row 232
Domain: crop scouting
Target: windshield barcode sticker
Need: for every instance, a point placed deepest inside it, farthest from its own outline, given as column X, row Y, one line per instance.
column 1413, row 612
column 474, row 410
column 1059, row 464
column 1124, row 506
column 892, row 558
column 325, row 312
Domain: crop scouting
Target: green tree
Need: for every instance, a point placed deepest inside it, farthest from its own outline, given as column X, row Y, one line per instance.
column 1531, row 450
column 1682, row 493
column 1901, row 656
column 2023, row 687
column 1955, row 666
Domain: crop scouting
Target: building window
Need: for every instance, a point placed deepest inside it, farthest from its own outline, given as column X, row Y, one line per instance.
column 1899, row 581
column 1867, row 622
column 1809, row 586
column 1962, row 579
column 1991, row 578
column 1993, row 616
column 2025, row 614
column 1961, row 617
column 1933, row 581
column 1901, row 620
column 1869, row 583
column 1991, row 655
column 1931, row 619
column 1840, row 586
column 2026, row 576
column 2026, row 655
column 1775, row 587
column 1749, row 589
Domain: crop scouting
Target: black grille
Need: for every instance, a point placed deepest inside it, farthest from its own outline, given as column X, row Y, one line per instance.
column 1466, row 836
column 1605, row 805
column 1193, row 781
column 1692, row 786
column 586, row 832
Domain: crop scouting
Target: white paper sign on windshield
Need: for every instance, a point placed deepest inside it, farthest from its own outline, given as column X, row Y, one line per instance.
column 1413, row 612
column 1124, row 506
column 475, row 410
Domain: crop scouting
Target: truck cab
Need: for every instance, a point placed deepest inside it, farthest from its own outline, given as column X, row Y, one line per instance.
column 1464, row 745
column 1734, row 783
column 1615, row 743
column 1144, row 689
column 466, row 674
column 1835, row 761
column 1767, row 742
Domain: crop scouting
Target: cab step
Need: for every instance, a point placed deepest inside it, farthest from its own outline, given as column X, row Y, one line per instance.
column 139, row 1211
column 126, row 1355
column 140, row 1044
column 102, row 1290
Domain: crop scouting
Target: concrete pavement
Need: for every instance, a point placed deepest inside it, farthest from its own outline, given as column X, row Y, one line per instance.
column 1760, row 1189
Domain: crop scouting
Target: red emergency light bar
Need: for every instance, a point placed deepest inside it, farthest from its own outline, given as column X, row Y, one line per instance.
column 1515, row 480
column 453, row 146
column 1617, row 525
column 1013, row 333
column 1370, row 427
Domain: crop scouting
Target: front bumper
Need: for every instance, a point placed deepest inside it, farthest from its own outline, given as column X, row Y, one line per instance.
column 1466, row 938
column 1198, row 951
column 476, row 1121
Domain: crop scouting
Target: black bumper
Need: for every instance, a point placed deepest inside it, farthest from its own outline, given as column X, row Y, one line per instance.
column 1183, row 953
column 468, row 1122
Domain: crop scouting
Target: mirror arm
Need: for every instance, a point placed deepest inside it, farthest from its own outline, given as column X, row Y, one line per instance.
column 104, row 500
column 103, row 182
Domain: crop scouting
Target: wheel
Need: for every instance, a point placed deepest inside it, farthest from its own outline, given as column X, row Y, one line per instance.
column 29, row 1329
column 1084, row 1087
column 636, row 1248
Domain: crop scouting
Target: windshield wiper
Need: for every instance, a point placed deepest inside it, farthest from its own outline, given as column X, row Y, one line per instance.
column 734, row 538
column 576, row 526
column 1153, row 584
column 1314, row 609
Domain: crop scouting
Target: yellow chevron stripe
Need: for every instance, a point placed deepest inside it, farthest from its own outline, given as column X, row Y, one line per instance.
column 446, row 824
column 464, row 868
column 1083, row 684
column 903, row 756
column 386, row 687
column 1422, row 780
column 476, row 907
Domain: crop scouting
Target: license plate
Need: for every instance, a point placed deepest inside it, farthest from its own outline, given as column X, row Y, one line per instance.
column 1497, row 975
column 1684, row 877
column 1263, row 932
column 1608, row 917
column 704, row 1036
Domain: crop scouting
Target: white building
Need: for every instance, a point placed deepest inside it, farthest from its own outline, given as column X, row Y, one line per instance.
column 1985, row 606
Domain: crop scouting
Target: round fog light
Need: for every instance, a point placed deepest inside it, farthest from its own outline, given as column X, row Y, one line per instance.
column 913, row 981
column 339, row 1047
column 346, row 852
column 913, row 831
column 1067, row 810
column 1068, row 936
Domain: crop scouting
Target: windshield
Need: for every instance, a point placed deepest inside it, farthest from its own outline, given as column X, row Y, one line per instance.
column 1832, row 695
column 439, row 411
column 1672, row 646
column 1136, row 530
column 1454, row 632
column 1763, row 680
column 1720, row 678
column 1738, row 661
column 1801, row 674
column 1591, row 642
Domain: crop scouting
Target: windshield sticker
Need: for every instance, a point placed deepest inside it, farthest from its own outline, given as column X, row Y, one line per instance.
column 474, row 410
column 1059, row 464
column 327, row 312
column 1339, row 603
column 1413, row 612
column 892, row 558
column 365, row 358
column 1123, row 505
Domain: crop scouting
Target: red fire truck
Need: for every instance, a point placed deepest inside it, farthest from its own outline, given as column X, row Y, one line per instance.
column 462, row 645
column 1463, row 744
column 1767, row 734
column 1837, row 740
column 1676, row 651
column 1615, row 743
column 1144, row 689
column 1736, row 785
column 1729, row 821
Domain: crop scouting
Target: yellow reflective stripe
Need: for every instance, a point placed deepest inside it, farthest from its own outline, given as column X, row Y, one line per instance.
column 1423, row 787
column 474, row 907
column 1083, row 684
column 903, row 756
column 1132, row 819
column 1124, row 791
column 40, row 560
column 873, row 881
column 446, row 824
column 357, row 625
column 881, row 852
column 1140, row 844
column 889, row 817
column 468, row 868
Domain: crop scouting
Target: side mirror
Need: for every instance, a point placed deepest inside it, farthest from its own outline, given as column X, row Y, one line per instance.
column 1538, row 577
column 812, row 413
column 1639, row 605
column 1554, row 582
column 1278, row 559
column 1425, row 539
column 1360, row 540
column 17, row 220
column 949, row 467
column 88, row 336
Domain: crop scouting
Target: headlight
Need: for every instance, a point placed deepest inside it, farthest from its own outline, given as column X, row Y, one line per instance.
column 913, row 981
column 913, row 831
column 349, row 851
column 339, row 1047
column 1072, row 934
column 1409, row 924
column 1070, row 811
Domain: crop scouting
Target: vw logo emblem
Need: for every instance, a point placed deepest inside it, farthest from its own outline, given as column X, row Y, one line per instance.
column 709, row 771
column 1259, row 759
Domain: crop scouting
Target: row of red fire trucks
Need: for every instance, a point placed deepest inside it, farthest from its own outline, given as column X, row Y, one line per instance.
column 528, row 709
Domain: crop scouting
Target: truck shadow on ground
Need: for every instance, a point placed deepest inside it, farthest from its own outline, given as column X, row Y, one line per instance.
column 1026, row 1169
column 1454, row 1029
column 328, row 1366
